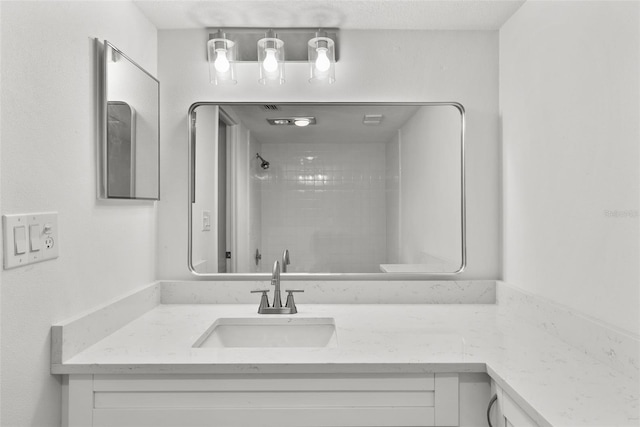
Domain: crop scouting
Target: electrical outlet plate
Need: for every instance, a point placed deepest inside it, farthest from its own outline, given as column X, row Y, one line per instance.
column 41, row 231
column 47, row 229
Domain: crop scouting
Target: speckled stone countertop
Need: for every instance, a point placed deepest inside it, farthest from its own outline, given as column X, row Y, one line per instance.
column 555, row 383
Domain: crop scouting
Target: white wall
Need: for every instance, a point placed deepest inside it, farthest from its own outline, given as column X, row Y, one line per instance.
column 430, row 193
column 49, row 164
column 256, row 175
column 374, row 66
column 1, row 246
column 240, row 211
column 392, row 196
column 569, row 91
column 205, row 248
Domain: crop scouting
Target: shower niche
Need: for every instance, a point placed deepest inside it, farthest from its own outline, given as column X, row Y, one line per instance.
column 352, row 190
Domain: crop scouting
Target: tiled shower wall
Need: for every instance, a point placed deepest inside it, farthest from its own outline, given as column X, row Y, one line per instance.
column 325, row 202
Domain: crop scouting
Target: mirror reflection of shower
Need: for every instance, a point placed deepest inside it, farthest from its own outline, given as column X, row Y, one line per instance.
column 349, row 195
column 265, row 164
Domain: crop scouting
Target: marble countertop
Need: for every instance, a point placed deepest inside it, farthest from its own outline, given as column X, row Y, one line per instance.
column 556, row 384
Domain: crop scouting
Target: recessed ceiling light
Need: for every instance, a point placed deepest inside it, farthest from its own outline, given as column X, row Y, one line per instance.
column 302, row 122
column 290, row 121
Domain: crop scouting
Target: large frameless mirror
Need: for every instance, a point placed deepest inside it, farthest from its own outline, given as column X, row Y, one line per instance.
column 130, row 117
column 351, row 191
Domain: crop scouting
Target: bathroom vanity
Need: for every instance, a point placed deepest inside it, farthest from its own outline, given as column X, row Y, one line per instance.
column 263, row 399
column 387, row 365
column 349, row 377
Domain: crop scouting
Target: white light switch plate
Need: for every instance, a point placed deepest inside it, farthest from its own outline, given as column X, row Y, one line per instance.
column 40, row 247
column 206, row 220
column 9, row 224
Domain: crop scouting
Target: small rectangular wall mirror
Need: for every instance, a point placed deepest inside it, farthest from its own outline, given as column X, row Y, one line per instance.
column 130, row 128
column 352, row 191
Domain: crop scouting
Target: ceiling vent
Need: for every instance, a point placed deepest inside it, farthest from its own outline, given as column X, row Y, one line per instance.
column 270, row 107
column 372, row 119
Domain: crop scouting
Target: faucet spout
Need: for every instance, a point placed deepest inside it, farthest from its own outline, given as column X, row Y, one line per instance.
column 275, row 281
column 277, row 307
column 285, row 260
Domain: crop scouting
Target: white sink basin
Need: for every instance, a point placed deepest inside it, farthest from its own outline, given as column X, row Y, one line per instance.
column 269, row 332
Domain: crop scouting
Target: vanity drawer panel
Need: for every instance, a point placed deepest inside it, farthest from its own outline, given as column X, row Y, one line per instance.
column 267, row 417
column 407, row 382
column 300, row 400
column 270, row 399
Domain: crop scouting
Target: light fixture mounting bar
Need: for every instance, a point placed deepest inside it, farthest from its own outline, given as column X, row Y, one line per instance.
column 295, row 40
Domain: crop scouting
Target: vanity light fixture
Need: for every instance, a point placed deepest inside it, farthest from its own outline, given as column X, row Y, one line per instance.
column 222, row 57
column 231, row 45
column 271, row 59
column 322, row 59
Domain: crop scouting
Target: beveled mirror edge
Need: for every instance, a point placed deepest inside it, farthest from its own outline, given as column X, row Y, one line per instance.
column 326, row 276
column 101, row 121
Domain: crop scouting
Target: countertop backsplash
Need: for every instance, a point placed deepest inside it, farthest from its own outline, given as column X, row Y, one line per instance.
column 616, row 348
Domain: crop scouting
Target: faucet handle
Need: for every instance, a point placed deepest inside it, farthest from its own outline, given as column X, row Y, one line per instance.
column 291, row 304
column 264, row 300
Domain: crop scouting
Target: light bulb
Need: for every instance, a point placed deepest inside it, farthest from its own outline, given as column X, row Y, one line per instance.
column 322, row 62
column 301, row 122
column 221, row 63
column 270, row 62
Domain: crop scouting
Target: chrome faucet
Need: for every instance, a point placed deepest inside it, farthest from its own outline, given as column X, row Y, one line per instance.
column 285, row 260
column 277, row 308
column 275, row 281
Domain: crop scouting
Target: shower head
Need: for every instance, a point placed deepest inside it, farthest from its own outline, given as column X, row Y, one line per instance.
column 264, row 165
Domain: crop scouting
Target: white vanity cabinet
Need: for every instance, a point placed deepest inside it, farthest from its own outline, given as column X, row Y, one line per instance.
column 507, row 413
column 295, row 400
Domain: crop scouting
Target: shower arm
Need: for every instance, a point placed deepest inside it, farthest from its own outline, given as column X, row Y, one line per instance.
column 265, row 164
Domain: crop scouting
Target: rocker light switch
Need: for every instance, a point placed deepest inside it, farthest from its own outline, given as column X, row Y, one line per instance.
column 206, row 221
column 20, row 239
column 35, row 241
column 14, row 233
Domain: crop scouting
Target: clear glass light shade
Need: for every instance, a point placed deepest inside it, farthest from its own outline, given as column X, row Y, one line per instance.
column 322, row 60
column 222, row 59
column 271, row 61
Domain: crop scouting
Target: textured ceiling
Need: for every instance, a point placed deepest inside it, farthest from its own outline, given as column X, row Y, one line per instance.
column 345, row 14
